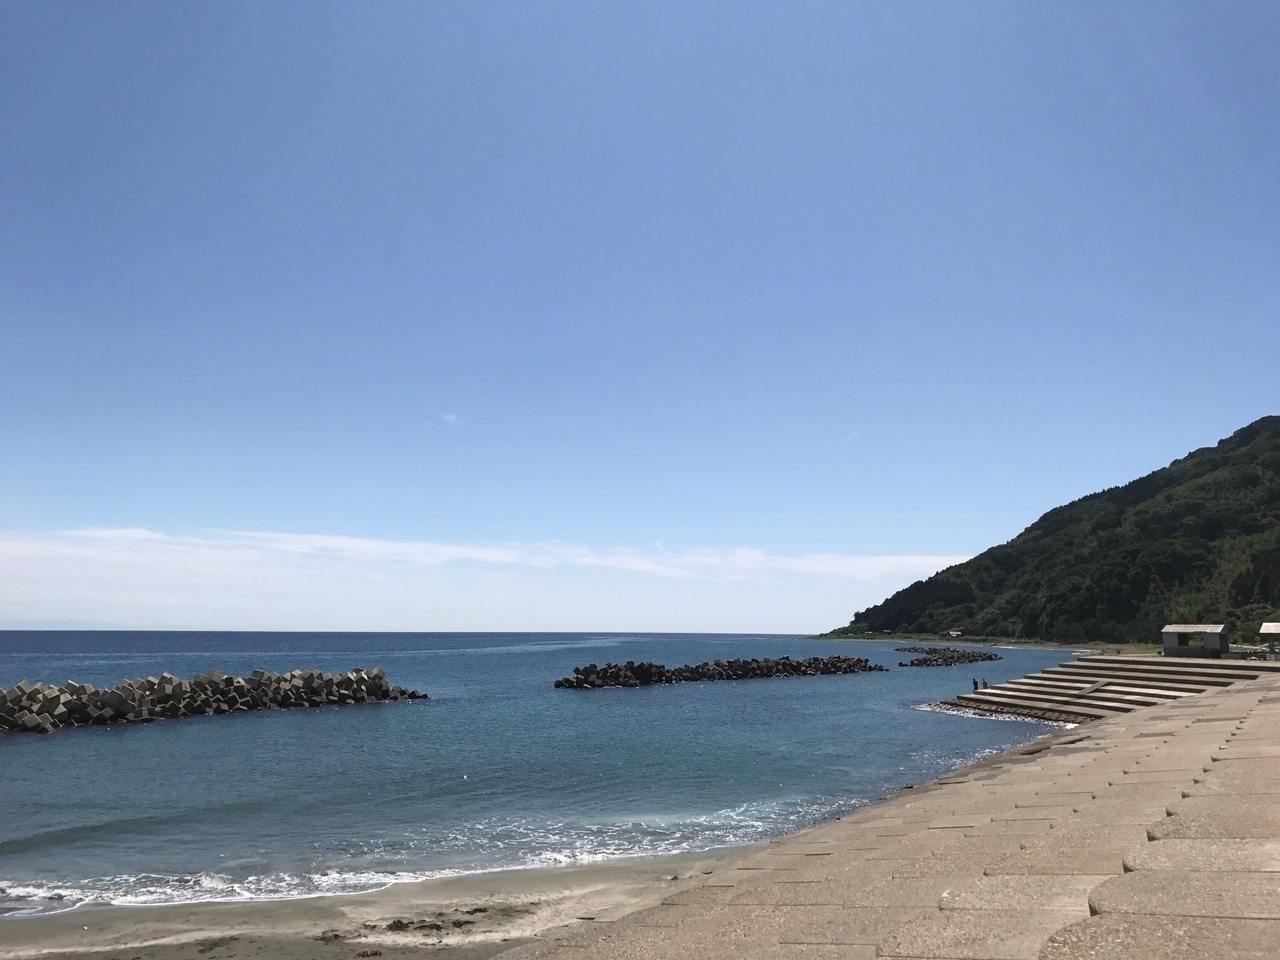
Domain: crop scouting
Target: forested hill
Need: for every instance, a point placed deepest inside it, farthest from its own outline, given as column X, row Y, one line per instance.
column 1195, row 542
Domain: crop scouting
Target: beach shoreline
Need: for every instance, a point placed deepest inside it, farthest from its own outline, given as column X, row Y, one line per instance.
column 1083, row 648
column 466, row 917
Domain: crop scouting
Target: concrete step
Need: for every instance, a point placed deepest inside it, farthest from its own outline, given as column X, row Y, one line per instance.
column 1095, row 687
column 1024, row 710
column 984, row 699
column 1098, row 700
column 1118, row 686
column 1187, row 681
column 1136, row 695
column 1162, row 667
column 1256, row 668
column 1233, row 670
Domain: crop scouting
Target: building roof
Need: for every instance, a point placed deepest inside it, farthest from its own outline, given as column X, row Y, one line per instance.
column 1193, row 628
column 1270, row 628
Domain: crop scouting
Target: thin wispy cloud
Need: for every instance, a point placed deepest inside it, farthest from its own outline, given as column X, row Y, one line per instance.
column 300, row 580
column 264, row 546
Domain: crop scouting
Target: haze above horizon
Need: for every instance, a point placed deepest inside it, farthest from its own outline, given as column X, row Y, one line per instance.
column 565, row 316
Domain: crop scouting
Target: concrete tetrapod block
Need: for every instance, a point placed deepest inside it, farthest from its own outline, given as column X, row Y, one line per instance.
column 1180, row 893
column 1130, row 937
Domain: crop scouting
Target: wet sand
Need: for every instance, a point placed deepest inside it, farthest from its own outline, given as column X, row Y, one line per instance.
column 455, row 918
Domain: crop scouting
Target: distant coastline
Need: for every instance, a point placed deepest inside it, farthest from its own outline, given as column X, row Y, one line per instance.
column 1099, row 647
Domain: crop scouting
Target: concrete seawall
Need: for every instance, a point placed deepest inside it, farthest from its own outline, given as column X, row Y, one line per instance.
column 44, row 708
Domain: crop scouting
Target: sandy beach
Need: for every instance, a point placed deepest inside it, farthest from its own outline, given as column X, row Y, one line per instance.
column 457, row 918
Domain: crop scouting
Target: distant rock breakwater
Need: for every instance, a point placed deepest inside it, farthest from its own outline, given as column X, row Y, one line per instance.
column 43, row 708
column 644, row 674
column 945, row 656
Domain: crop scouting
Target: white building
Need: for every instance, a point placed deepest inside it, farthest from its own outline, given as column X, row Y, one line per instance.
column 1177, row 639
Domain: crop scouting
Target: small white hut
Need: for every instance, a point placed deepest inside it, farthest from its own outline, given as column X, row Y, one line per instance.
column 1177, row 639
column 1270, row 632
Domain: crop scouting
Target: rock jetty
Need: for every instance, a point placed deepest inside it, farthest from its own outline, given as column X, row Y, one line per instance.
column 43, row 708
column 945, row 656
column 644, row 674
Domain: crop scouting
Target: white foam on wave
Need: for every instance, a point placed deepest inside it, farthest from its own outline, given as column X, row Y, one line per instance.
column 983, row 715
column 29, row 899
column 484, row 846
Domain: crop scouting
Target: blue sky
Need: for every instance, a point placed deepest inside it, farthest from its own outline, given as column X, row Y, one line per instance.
column 606, row 316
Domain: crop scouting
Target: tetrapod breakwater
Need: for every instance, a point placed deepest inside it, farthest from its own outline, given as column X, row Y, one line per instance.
column 44, row 708
column 945, row 656
column 644, row 674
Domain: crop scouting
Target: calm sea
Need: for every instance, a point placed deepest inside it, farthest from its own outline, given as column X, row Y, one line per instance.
column 498, row 770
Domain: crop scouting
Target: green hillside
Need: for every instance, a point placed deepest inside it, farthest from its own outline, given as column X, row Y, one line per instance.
column 1198, row 541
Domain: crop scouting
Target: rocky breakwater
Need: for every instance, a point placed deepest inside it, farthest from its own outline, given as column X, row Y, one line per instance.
column 43, row 708
column 644, row 674
column 945, row 656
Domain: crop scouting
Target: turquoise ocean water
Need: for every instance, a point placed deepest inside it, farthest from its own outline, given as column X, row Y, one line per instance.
column 498, row 770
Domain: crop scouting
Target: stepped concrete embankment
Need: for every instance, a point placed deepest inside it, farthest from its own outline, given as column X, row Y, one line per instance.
column 43, row 707
column 1094, row 687
column 644, row 674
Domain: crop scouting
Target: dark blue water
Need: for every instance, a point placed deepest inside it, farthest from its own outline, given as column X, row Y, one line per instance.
column 497, row 770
